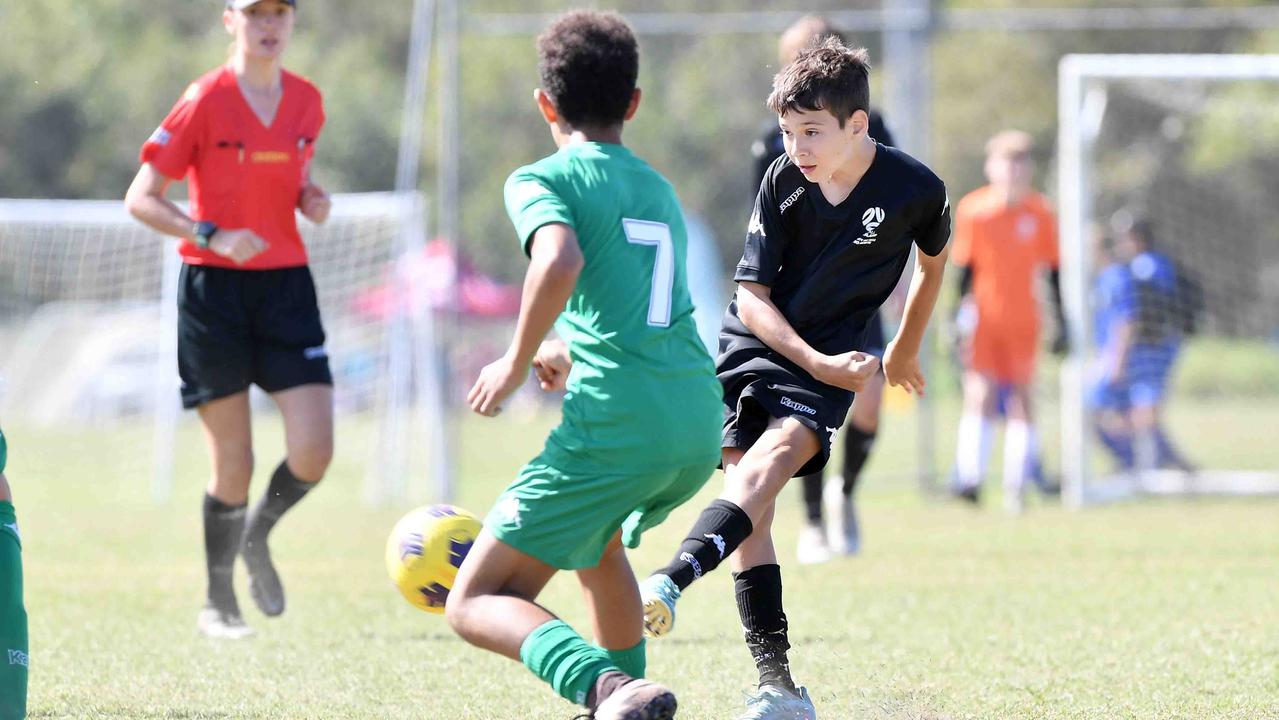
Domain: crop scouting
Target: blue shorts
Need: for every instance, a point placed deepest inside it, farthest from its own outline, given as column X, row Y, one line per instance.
column 1144, row 384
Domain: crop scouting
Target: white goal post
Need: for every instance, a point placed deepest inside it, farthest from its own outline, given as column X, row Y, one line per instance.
column 1125, row 121
column 88, row 332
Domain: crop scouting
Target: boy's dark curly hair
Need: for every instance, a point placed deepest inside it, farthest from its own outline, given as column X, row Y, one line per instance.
column 828, row 76
column 588, row 62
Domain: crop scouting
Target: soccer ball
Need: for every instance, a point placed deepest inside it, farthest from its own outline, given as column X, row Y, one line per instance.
column 425, row 550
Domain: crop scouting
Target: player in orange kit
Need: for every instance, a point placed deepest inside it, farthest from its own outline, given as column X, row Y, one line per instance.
column 1005, row 234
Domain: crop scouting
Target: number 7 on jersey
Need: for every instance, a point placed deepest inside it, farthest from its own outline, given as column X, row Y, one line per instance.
column 646, row 232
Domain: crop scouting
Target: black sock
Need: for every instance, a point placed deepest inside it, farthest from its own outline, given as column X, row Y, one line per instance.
column 283, row 493
column 813, row 497
column 857, row 445
column 223, row 526
column 759, row 603
column 721, row 527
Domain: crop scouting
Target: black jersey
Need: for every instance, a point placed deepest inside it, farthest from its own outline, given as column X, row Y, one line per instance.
column 831, row 267
column 769, row 145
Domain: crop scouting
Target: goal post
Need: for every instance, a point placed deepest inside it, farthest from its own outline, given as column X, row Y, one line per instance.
column 88, row 333
column 1175, row 141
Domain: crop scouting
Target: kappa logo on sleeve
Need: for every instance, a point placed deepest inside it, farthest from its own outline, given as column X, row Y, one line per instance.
column 756, row 226
column 526, row 191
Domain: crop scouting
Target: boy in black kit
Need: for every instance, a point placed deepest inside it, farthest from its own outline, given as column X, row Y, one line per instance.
column 830, row 235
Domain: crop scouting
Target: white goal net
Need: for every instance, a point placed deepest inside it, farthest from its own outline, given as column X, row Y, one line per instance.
column 1169, row 170
column 88, row 331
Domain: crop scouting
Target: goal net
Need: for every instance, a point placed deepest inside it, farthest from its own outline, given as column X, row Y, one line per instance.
column 88, row 339
column 1169, row 170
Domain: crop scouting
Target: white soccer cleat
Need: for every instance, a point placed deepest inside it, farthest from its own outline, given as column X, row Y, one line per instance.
column 213, row 623
column 658, row 593
column 843, row 536
column 775, row 703
column 811, row 548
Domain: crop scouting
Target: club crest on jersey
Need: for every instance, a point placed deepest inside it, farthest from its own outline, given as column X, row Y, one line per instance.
column 871, row 220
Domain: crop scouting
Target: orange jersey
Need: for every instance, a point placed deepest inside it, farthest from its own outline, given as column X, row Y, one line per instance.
column 242, row 174
column 1005, row 247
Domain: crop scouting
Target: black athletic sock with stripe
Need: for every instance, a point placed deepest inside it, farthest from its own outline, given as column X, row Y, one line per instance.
column 857, row 446
column 721, row 527
column 759, row 604
column 283, row 493
column 223, row 527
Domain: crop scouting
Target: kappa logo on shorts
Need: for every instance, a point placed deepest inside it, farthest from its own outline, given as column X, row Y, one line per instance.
column 832, row 432
column 14, row 528
column 801, row 407
column 17, row 657
column 315, row 353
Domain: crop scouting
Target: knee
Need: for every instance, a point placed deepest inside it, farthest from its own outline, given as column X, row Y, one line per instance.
column 310, row 460
column 233, row 461
column 456, row 609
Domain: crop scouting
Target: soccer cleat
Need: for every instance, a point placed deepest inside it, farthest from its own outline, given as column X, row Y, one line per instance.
column 811, row 548
column 843, row 536
column 638, row 700
column 659, row 593
column 220, row 625
column 776, row 703
column 264, row 582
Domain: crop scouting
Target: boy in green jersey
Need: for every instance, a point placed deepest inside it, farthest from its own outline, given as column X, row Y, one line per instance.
column 13, row 617
column 607, row 243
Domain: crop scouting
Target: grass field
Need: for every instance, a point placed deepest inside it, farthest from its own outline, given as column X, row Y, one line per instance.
column 1155, row 610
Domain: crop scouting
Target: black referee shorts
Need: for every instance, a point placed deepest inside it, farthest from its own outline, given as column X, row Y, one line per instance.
column 242, row 327
column 753, row 397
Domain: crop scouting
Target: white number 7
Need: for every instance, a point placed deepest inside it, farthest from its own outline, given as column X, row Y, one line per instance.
column 645, row 232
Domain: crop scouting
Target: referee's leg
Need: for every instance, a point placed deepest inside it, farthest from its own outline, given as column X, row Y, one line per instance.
column 308, row 439
column 228, row 433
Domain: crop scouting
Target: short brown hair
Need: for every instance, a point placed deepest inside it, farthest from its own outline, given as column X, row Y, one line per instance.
column 806, row 32
column 827, row 77
column 1010, row 142
column 588, row 63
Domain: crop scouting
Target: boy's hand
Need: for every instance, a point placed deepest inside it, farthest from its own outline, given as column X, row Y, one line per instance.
column 551, row 365
column 497, row 381
column 850, row 370
column 902, row 369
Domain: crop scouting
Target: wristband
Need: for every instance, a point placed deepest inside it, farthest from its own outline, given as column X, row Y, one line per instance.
column 204, row 232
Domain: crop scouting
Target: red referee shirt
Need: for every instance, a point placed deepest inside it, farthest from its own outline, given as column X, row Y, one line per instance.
column 241, row 173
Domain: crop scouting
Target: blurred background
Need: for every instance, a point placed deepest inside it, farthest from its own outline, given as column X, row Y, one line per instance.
column 85, row 83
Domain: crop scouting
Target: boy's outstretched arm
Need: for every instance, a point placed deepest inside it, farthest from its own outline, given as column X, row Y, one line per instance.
column 757, row 312
column 555, row 262
column 901, row 357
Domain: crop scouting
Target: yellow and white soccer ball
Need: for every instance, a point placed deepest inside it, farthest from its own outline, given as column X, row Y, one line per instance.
column 425, row 551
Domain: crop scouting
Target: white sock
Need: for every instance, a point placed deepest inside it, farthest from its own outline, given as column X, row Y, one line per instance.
column 974, row 446
column 1019, row 449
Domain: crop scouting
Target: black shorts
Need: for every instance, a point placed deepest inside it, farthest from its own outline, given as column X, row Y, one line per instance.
column 243, row 327
column 761, row 389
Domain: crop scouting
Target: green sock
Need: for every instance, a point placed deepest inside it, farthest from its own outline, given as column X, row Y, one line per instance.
column 633, row 661
column 558, row 655
column 13, row 619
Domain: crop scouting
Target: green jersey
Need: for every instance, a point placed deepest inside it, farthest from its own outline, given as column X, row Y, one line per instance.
column 642, row 394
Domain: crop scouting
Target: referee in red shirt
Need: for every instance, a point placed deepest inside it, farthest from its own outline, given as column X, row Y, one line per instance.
column 243, row 136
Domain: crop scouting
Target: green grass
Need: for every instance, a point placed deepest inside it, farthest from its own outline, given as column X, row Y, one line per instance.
column 1145, row 610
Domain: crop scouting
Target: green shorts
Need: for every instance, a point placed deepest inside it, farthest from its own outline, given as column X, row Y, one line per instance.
column 566, row 521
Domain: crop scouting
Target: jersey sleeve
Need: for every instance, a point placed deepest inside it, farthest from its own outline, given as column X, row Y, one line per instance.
column 173, row 147
column 531, row 203
column 762, row 257
column 933, row 231
column 311, row 126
